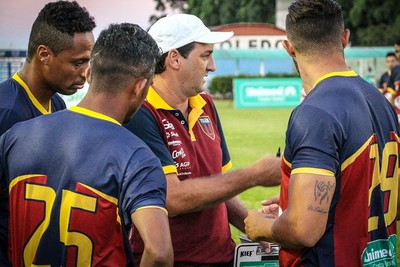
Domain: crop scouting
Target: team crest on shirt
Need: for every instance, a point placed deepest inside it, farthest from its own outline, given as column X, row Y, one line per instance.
column 207, row 127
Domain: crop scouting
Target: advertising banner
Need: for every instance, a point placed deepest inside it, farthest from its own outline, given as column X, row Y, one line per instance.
column 267, row 92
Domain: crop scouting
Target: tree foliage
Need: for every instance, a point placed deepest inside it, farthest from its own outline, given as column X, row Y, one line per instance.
column 371, row 22
column 218, row 12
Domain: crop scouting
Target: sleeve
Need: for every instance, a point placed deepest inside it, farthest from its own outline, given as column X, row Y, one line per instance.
column 144, row 183
column 8, row 118
column 144, row 126
column 226, row 158
column 313, row 141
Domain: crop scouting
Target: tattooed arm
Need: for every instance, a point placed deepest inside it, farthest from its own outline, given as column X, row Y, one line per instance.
column 303, row 223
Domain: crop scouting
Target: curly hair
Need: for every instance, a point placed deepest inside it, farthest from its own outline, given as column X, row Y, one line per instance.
column 122, row 52
column 56, row 24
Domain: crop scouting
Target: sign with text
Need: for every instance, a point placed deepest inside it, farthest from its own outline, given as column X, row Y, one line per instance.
column 252, row 42
column 267, row 92
column 254, row 255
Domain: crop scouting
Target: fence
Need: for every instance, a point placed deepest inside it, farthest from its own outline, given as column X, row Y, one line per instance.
column 10, row 62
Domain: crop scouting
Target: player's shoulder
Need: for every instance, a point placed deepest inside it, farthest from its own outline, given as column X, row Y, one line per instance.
column 9, row 91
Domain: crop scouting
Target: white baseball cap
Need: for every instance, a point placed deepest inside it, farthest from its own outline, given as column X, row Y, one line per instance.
column 177, row 30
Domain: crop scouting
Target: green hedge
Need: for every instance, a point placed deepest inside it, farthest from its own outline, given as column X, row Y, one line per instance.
column 222, row 86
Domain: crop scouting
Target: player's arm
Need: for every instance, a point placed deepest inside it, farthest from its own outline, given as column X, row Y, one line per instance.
column 303, row 223
column 153, row 227
column 192, row 195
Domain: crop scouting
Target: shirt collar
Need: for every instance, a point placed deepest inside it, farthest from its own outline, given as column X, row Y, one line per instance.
column 33, row 99
column 348, row 73
column 157, row 102
column 93, row 114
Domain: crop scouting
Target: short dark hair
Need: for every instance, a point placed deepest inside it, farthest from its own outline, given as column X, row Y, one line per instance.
column 315, row 25
column 122, row 52
column 390, row 54
column 184, row 51
column 56, row 23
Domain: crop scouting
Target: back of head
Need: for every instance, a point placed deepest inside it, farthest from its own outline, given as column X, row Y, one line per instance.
column 122, row 52
column 315, row 26
column 56, row 24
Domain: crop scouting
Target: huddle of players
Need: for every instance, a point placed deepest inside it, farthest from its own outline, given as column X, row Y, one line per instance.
column 73, row 183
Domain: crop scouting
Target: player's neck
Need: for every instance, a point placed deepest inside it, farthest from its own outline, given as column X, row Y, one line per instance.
column 33, row 80
column 311, row 71
column 173, row 97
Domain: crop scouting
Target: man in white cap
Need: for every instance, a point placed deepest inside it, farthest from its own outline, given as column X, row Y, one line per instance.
column 179, row 122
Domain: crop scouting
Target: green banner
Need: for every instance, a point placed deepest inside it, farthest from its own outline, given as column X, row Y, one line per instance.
column 267, row 92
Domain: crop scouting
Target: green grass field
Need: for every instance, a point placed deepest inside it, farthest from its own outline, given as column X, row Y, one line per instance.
column 251, row 133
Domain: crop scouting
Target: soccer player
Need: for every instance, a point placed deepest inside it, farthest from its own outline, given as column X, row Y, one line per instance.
column 77, row 179
column 339, row 190
column 391, row 61
column 394, row 80
column 180, row 124
column 59, row 47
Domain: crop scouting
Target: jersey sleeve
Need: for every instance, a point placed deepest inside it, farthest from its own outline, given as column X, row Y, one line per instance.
column 144, row 126
column 144, row 183
column 312, row 140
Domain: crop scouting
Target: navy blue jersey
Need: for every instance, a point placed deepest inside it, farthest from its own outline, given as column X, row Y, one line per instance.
column 394, row 79
column 74, row 178
column 384, row 81
column 17, row 103
column 347, row 129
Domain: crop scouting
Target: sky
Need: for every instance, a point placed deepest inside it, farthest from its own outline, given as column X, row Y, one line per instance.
column 17, row 16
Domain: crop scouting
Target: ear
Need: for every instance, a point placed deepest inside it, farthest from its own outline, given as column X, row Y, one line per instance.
column 88, row 71
column 345, row 38
column 43, row 53
column 173, row 59
column 139, row 87
column 289, row 48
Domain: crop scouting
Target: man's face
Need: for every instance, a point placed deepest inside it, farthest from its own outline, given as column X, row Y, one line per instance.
column 65, row 72
column 195, row 68
column 391, row 61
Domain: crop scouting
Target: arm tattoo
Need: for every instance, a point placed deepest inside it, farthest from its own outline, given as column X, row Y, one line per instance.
column 322, row 191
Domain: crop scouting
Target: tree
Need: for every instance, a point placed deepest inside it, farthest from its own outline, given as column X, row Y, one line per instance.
column 218, row 12
column 371, row 22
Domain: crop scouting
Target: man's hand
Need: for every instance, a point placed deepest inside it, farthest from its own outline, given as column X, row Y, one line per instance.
column 258, row 225
column 271, row 206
